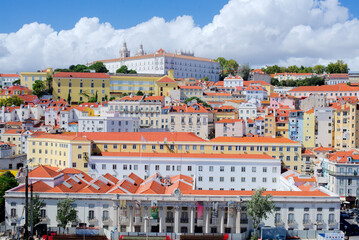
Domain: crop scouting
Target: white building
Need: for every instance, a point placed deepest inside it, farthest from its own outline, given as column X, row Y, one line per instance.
column 107, row 202
column 108, row 124
column 332, row 79
column 7, row 80
column 233, row 81
column 255, row 92
column 186, row 65
column 210, row 172
column 245, row 110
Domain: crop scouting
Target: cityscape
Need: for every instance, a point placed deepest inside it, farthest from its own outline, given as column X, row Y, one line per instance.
column 155, row 128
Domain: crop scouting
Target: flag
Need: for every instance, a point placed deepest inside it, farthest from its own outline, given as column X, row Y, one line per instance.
column 200, row 213
column 154, row 209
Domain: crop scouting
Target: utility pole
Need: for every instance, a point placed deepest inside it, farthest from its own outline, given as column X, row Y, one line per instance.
column 31, row 211
column 26, row 202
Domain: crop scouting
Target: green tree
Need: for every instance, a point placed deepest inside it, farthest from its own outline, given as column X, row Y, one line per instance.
column 112, row 98
column 222, row 63
column 244, row 71
column 139, row 93
column 122, row 69
column 318, row 69
column 69, row 98
column 205, row 104
column 7, row 181
column 232, row 66
column 38, row 88
column 206, row 78
column 337, row 67
column 99, row 67
column 274, row 82
column 14, row 100
column 293, row 69
column 272, row 69
column 131, row 71
column 16, row 82
column 259, row 208
column 49, row 85
column 37, row 204
column 66, row 212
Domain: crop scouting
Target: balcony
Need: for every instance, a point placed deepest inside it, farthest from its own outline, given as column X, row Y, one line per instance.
column 319, row 222
column 291, row 223
column 170, row 220
column 351, row 174
column 244, row 221
column 123, row 220
column 106, row 219
column 279, row 223
column 92, row 219
column 307, row 223
column 184, row 220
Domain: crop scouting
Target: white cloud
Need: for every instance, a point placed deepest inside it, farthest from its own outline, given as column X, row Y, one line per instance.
column 259, row 32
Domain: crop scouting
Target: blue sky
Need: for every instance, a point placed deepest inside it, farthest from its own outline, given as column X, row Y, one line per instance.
column 120, row 13
column 38, row 34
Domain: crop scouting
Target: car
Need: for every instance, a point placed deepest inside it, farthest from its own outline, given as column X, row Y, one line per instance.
column 344, row 215
column 357, row 219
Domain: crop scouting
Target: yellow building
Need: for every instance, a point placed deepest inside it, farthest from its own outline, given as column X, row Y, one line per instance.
column 346, row 127
column 27, row 79
column 127, row 83
column 309, row 129
column 270, row 125
column 165, row 84
column 68, row 149
column 81, row 86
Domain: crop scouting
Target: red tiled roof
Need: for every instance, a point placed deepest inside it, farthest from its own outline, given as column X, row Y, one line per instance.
column 44, row 172
column 253, row 140
column 342, row 87
column 185, row 155
column 166, row 79
column 230, row 120
column 80, row 75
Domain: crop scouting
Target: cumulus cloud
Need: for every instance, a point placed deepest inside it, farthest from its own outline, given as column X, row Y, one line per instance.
column 258, row 32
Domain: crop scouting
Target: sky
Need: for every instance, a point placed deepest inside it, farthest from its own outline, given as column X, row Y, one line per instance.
column 39, row 34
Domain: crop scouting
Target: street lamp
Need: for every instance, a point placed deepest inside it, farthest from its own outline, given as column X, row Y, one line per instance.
column 147, row 225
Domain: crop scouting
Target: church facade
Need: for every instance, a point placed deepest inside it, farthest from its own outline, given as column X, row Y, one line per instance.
column 184, row 64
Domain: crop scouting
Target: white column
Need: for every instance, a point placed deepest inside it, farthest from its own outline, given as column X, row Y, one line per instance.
column 191, row 227
column 116, row 209
column 146, row 220
column 161, row 220
column 176, row 230
column 206, row 225
column 222, row 220
column 131, row 219
column 238, row 220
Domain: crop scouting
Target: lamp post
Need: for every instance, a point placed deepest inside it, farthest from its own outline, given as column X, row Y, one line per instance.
column 147, row 225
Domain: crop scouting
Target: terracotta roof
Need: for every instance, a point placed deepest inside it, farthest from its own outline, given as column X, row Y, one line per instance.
column 253, row 140
column 185, row 155
column 262, row 83
column 217, row 94
column 44, row 172
column 166, row 79
column 189, row 87
column 342, row 87
column 10, row 75
column 230, row 120
column 310, row 111
column 14, row 131
column 323, row 149
column 80, row 75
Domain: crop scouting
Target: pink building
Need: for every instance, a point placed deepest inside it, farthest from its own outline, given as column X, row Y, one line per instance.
column 278, row 100
column 230, row 127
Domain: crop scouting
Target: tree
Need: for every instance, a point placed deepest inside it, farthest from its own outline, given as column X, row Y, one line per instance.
column 206, row 78
column 66, row 212
column 222, row 63
column 244, row 71
column 259, row 208
column 16, row 82
column 131, row 71
column 37, row 204
column 272, row 69
column 7, row 181
column 318, row 69
column 14, row 100
column 38, row 88
column 337, row 67
column 112, row 98
column 122, row 69
column 69, row 98
column 205, row 104
column 232, row 66
column 99, row 67
column 139, row 93
column 293, row 69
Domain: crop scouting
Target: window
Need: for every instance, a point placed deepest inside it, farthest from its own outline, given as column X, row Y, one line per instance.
column 254, row 179
column 91, row 214
column 243, row 179
column 211, row 168
column 103, row 166
column 264, row 180
column 254, row 169
column 13, row 212
column 43, row 213
column 105, row 215
column 291, row 218
column 114, row 166
column 277, row 218
column 243, row 169
column 93, row 166
column 210, row 179
column 319, row 218
column 274, row 180
column 306, row 218
column 264, row 169
column 233, row 169
column 134, row 146
column 232, row 179
column 200, row 179
column 168, row 168
column 74, row 165
column 221, row 168
column 189, row 168
column 79, row 156
column 331, row 218
column 200, row 168
column 157, row 167
column 274, row 169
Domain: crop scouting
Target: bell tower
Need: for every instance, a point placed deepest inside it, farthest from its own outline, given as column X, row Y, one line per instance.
column 124, row 52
